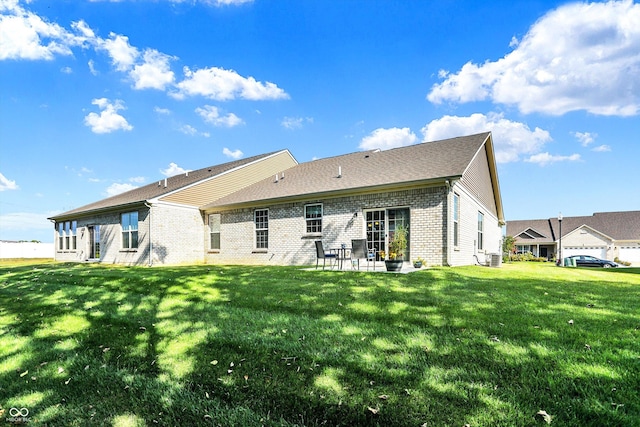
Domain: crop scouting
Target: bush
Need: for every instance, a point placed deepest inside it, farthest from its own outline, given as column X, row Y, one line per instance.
column 625, row 263
column 527, row 256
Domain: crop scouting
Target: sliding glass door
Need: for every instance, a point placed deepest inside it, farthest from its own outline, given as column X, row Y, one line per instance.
column 94, row 242
column 381, row 225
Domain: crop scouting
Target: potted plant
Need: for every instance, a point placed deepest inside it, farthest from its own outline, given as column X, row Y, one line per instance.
column 397, row 246
column 418, row 262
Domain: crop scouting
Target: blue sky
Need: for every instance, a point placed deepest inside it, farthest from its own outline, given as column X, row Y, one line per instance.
column 98, row 97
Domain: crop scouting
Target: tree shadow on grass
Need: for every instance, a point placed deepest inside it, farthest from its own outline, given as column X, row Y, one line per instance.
column 271, row 346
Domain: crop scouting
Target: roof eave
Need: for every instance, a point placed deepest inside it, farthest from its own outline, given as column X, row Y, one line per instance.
column 93, row 212
column 330, row 194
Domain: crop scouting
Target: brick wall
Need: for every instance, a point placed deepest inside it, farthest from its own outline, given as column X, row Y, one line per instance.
column 289, row 244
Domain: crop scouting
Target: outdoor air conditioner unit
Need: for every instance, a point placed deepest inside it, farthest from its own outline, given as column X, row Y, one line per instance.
column 496, row 260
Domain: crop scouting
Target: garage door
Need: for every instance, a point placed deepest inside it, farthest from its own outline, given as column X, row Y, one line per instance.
column 630, row 254
column 596, row 251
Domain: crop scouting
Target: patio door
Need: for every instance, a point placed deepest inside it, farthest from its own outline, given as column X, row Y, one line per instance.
column 381, row 225
column 94, row 242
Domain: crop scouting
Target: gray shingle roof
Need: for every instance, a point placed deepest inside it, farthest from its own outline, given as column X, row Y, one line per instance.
column 157, row 188
column 617, row 225
column 365, row 170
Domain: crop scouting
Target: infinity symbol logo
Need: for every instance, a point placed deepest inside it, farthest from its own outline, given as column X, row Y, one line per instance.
column 15, row 412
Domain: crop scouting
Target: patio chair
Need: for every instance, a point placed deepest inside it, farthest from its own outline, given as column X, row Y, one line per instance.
column 359, row 251
column 322, row 255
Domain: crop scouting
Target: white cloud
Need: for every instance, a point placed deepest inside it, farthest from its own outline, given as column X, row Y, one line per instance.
column 233, row 154
column 163, row 111
column 188, row 130
column 218, row 3
column 585, row 138
column 173, row 170
column 581, row 56
column 544, row 159
column 123, row 55
column 117, row 188
column 292, row 123
column 108, row 120
column 211, row 114
column 92, row 67
column 7, row 184
column 388, row 138
column 223, row 85
column 66, row 70
column 511, row 139
column 154, row 73
column 601, row 148
column 137, row 179
column 228, row 2
column 24, row 35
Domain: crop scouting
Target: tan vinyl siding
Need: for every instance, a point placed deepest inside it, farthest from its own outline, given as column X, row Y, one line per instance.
column 477, row 180
column 222, row 185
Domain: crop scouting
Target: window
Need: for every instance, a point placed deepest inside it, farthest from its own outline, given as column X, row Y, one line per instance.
column 456, row 220
column 74, row 226
column 480, row 231
column 60, row 236
column 129, row 222
column 67, row 234
column 313, row 217
column 214, row 231
column 261, row 221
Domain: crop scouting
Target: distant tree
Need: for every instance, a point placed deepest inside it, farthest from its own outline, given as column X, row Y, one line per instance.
column 509, row 245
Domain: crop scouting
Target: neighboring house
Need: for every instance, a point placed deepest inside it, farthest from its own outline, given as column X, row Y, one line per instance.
column 160, row 223
column 606, row 235
column 446, row 193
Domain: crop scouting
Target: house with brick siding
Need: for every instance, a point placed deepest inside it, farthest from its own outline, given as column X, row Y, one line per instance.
column 160, row 223
column 445, row 193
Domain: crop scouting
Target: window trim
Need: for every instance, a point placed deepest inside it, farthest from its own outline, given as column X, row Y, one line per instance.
column 258, row 246
column 480, row 231
column 310, row 220
column 129, row 232
column 213, row 232
column 456, row 220
column 60, row 236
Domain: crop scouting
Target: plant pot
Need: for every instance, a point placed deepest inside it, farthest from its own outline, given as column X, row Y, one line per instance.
column 417, row 264
column 393, row 264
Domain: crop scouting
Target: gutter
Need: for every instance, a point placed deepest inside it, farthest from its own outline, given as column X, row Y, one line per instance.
column 150, row 239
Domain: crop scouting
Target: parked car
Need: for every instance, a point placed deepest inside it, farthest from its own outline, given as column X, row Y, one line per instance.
column 591, row 261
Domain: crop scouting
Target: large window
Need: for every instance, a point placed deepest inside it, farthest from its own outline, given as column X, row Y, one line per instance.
column 129, row 222
column 261, row 221
column 456, row 220
column 313, row 217
column 214, row 231
column 67, row 235
column 480, row 231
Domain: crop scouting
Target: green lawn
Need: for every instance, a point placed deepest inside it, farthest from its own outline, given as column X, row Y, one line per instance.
column 93, row 344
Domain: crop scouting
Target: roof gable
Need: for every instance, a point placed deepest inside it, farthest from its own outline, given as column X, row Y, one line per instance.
column 530, row 233
column 163, row 187
column 364, row 171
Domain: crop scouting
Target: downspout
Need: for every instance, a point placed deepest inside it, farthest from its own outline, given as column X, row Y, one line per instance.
column 150, row 239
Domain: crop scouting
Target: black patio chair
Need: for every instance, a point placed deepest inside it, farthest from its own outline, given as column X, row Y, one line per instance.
column 321, row 254
column 359, row 251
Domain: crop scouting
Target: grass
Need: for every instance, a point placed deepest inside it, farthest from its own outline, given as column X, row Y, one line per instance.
column 93, row 344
